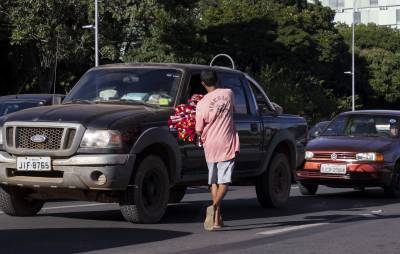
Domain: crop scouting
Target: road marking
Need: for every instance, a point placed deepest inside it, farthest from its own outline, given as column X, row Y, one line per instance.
column 289, row 229
column 305, row 226
column 295, row 187
column 70, row 206
column 74, row 206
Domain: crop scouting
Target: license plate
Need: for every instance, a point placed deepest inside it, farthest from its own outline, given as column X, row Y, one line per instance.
column 333, row 169
column 33, row 163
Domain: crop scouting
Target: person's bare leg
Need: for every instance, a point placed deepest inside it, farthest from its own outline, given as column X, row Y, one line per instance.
column 214, row 193
column 222, row 190
column 218, row 218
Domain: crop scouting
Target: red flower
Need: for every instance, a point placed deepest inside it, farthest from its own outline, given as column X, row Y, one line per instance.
column 184, row 119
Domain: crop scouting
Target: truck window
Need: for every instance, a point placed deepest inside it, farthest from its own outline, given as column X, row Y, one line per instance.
column 195, row 86
column 262, row 103
column 234, row 83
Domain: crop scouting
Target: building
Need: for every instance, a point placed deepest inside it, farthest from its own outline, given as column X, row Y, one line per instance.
column 380, row 12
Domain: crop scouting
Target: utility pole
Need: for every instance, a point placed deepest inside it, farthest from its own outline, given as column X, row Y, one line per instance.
column 96, row 32
column 352, row 61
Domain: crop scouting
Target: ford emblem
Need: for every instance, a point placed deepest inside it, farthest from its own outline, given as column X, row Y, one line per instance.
column 334, row 156
column 39, row 138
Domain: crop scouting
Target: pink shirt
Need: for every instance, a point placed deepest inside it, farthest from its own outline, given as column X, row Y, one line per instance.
column 214, row 119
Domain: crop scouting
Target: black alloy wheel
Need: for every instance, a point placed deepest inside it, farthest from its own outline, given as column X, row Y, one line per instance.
column 15, row 201
column 393, row 190
column 176, row 194
column 273, row 186
column 146, row 199
column 307, row 189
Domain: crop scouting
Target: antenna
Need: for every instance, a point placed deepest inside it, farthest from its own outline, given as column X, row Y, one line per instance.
column 55, row 69
column 224, row 55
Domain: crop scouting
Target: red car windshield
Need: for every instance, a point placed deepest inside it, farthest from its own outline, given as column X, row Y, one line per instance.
column 364, row 125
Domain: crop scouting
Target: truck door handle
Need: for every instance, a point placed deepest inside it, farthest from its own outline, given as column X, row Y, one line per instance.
column 254, row 128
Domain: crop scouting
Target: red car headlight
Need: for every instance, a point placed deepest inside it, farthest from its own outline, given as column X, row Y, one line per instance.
column 369, row 157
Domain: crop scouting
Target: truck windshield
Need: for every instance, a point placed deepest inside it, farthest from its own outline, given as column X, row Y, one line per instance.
column 127, row 85
column 364, row 125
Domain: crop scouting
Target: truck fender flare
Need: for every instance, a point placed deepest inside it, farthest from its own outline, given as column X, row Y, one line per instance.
column 283, row 136
column 157, row 135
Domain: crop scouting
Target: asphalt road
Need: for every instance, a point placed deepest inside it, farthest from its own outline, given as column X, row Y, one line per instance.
column 335, row 221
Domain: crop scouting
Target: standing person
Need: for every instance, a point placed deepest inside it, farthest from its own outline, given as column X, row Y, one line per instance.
column 215, row 127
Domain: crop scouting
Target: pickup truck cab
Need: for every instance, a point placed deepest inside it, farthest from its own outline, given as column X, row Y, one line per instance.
column 109, row 142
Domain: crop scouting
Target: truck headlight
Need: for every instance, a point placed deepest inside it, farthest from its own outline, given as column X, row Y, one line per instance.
column 369, row 157
column 309, row 155
column 101, row 139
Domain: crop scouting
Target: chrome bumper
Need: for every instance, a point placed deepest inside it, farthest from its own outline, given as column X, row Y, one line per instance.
column 76, row 172
column 78, row 160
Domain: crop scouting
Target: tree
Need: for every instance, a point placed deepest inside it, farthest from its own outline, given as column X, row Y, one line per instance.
column 377, row 65
column 297, row 54
column 293, row 48
column 384, row 79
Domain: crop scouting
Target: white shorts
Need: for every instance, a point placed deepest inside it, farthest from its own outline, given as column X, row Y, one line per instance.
column 220, row 172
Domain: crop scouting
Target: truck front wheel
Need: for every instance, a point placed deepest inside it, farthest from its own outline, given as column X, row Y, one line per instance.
column 307, row 189
column 273, row 186
column 15, row 201
column 177, row 193
column 146, row 199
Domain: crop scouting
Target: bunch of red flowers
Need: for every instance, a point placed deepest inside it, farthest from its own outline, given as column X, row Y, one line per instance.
column 184, row 119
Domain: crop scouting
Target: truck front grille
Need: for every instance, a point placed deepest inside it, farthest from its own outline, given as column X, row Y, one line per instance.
column 53, row 138
column 43, row 138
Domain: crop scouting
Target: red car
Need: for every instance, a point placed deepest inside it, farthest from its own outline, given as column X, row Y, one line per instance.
column 357, row 149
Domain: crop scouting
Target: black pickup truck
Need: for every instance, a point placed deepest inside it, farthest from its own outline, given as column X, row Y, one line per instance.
column 109, row 142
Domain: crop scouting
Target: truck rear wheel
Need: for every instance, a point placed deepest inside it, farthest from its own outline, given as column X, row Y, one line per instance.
column 393, row 190
column 176, row 194
column 15, row 202
column 307, row 189
column 273, row 186
column 146, row 199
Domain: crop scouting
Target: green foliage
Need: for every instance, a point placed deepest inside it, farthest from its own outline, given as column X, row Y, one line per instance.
column 45, row 30
column 377, row 64
column 384, row 70
column 293, row 48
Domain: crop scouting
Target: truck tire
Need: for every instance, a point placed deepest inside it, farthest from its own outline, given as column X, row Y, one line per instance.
column 15, row 202
column 176, row 194
column 273, row 186
column 146, row 199
column 393, row 190
column 307, row 189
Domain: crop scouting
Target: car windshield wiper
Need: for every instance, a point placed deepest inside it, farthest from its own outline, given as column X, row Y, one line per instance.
column 123, row 101
column 364, row 135
column 370, row 135
column 79, row 101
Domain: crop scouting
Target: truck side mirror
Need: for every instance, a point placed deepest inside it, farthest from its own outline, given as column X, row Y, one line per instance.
column 278, row 109
column 315, row 134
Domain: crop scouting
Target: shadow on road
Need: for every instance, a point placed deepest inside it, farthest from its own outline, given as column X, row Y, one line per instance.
column 243, row 209
column 74, row 240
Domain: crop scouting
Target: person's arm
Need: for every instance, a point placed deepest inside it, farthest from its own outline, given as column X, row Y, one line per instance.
column 199, row 122
column 232, row 95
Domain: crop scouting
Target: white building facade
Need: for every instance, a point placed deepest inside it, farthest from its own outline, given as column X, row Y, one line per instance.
column 380, row 12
